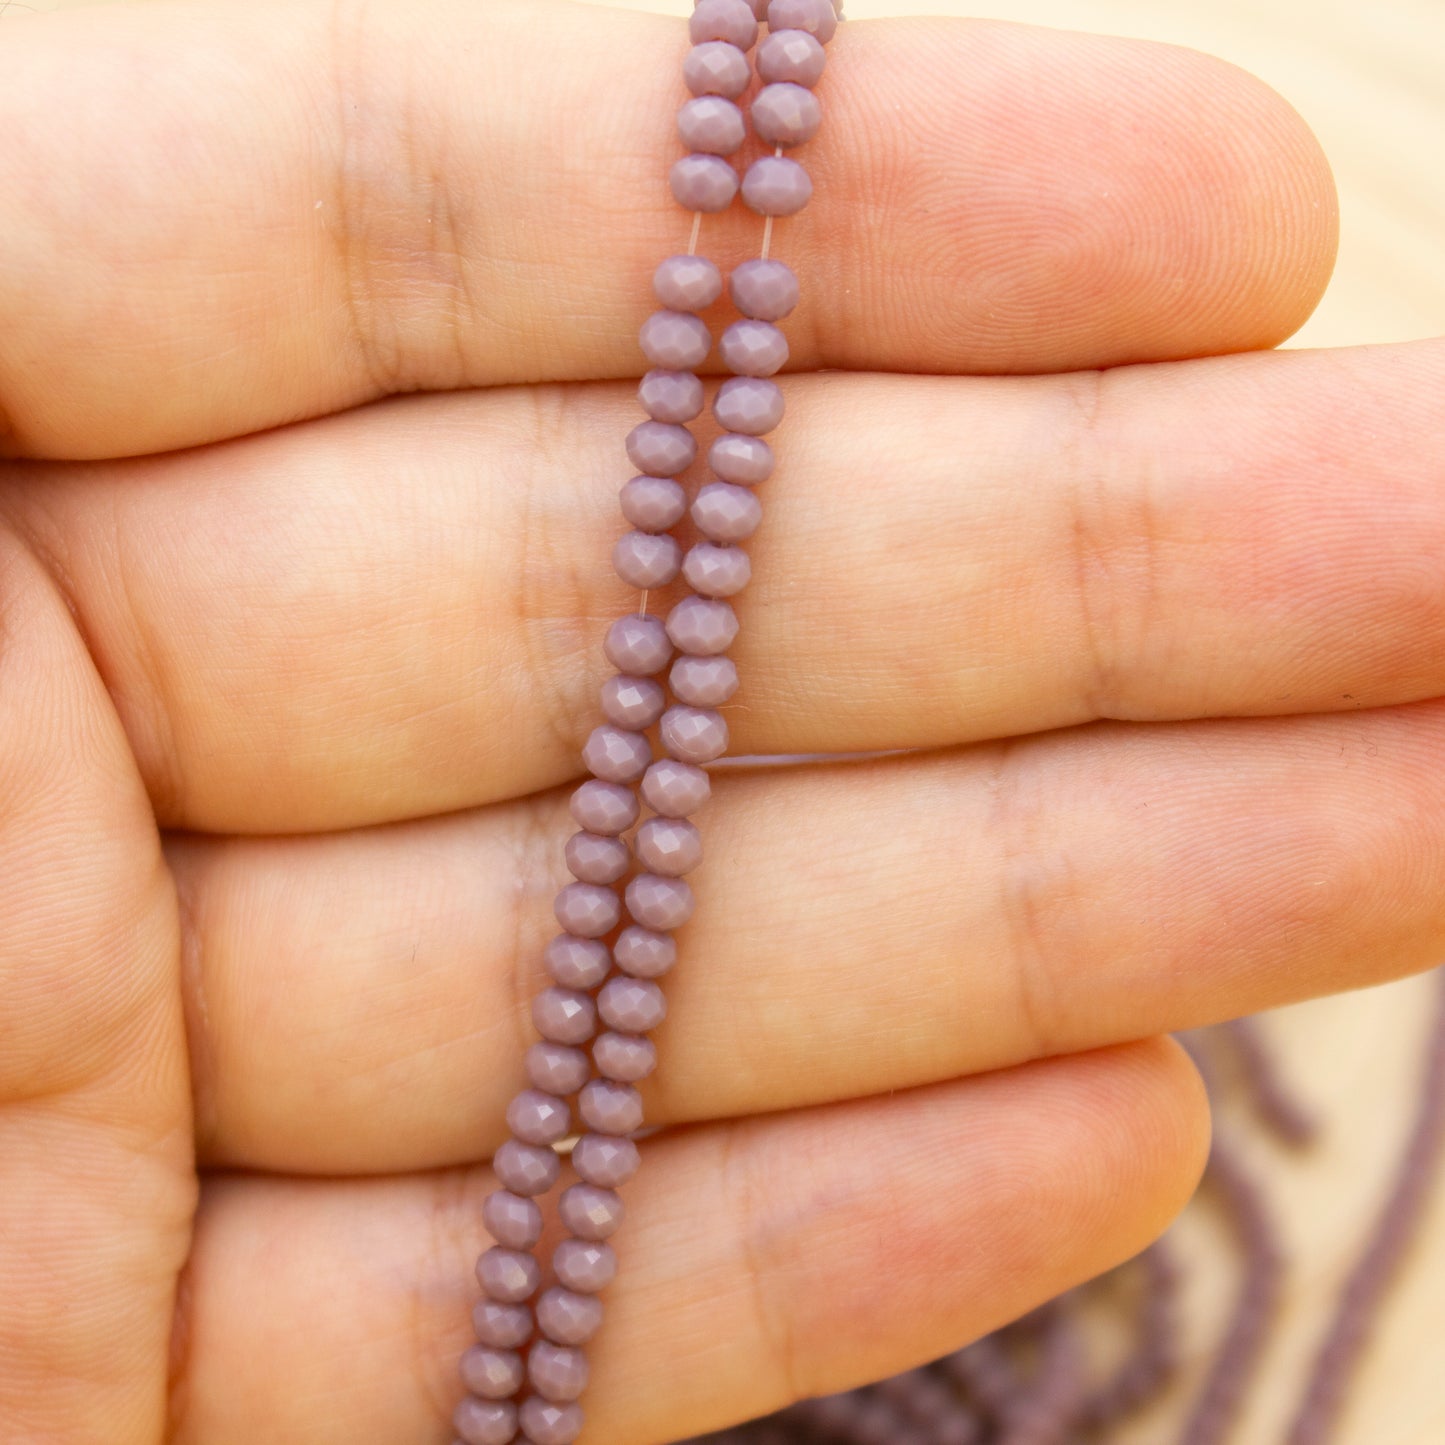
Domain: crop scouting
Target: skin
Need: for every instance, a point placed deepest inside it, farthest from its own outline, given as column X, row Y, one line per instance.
column 294, row 669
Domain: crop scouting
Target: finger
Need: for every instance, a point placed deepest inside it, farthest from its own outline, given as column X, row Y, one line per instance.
column 384, row 199
column 760, row 1262
column 364, row 1000
column 96, row 1180
column 400, row 611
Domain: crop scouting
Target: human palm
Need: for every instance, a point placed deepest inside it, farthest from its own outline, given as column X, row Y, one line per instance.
column 293, row 670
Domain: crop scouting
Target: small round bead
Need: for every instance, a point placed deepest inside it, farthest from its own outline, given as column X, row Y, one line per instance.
column 547, row 1424
column 765, row 290
column 564, row 1016
column 716, row 68
column 526, row 1168
column 741, row 459
column 730, row 20
column 646, row 559
column 703, row 626
column 674, row 789
column 566, row 1317
column 633, row 702
column 643, row 953
column 624, row 1057
column 596, row 858
column 671, row 847
column 608, row 1107
column 556, row 1068
column 509, row 1276
column 661, row 449
column 485, row 1422
column 713, row 571
column 589, row 1212
column 588, row 910
column 652, row 504
column 785, row 114
column 711, row 124
column 638, row 644
column 749, row 404
column 703, row 681
column 693, row 735
column 503, row 1327
column 538, row 1118
column 675, row 341
column 776, row 186
column 817, row 17
column 791, row 56
column 605, row 807
column 701, row 182
column 671, row 396
column 579, row 962
column 726, row 513
column 492, row 1374
column 584, row 1265
column 557, row 1373
column 632, row 1005
column 661, row 904
column 605, row 1161
column 616, row 755
column 512, row 1220
column 688, row 283
column 753, row 348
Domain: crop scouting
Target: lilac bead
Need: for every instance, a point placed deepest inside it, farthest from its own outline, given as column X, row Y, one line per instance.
column 608, row 1107
column 671, row 847
column 702, row 182
column 671, row 396
column 485, row 1422
column 643, row 953
column 753, row 348
column 661, row 449
column 538, row 1118
column 605, row 1161
column 509, row 1276
column 791, row 56
column 749, row 404
column 512, row 1220
column 492, row 1374
column 588, row 910
column 716, row 68
column 556, row 1068
column 703, row 681
column 713, row 571
column 674, row 789
column 504, row 1327
column 776, row 186
column 763, row 290
column 729, row 20
column 566, row 1317
column 633, row 702
column 646, row 559
column 688, row 283
column 817, row 17
column 579, row 962
column 563, row 1016
column 596, row 858
column 632, row 1005
column 726, row 513
column 652, row 504
column 703, row 626
column 624, row 1057
column 741, row 459
column 675, row 341
column 525, row 1168
column 557, row 1373
column 637, row 644
column 547, row 1424
column 785, row 114
column 692, row 735
column 616, row 755
column 605, row 807
column 660, row 904
column 711, row 124
column 589, row 1212
column 584, row 1265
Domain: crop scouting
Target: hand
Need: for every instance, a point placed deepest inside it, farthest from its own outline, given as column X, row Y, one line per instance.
column 285, row 718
